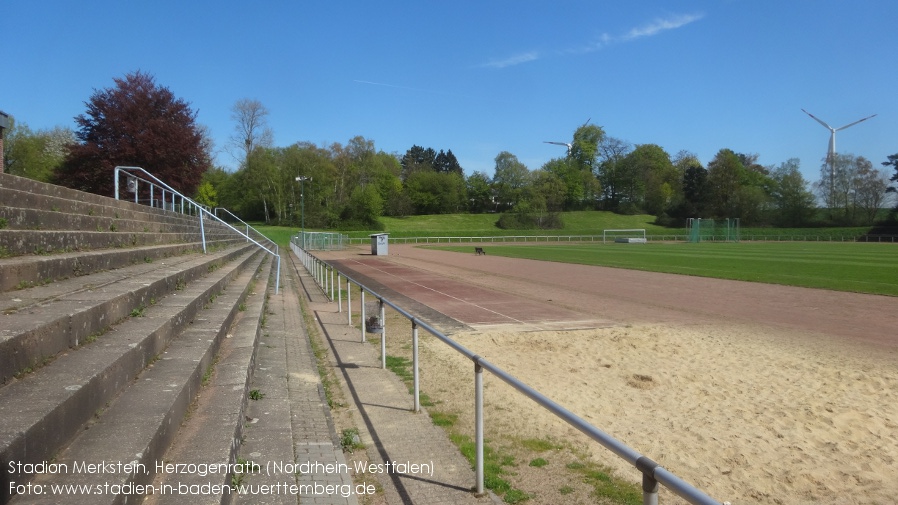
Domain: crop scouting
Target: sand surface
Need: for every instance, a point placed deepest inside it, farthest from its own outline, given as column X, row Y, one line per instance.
column 753, row 393
column 746, row 415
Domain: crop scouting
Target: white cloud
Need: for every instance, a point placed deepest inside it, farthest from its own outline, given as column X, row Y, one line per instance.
column 648, row 30
column 513, row 60
column 660, row 25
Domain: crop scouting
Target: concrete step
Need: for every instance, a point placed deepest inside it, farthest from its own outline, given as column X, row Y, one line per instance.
column 214, row 430
column 40, row 242
column 35, row 219
column 40, row 322
column 140, row 424
column 174, row 340
column 26, row 271
column 53, row 199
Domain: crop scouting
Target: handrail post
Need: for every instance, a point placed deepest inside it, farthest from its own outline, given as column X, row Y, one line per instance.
column 363, row 313
column 339, row 294
column 277, row 277
column 116, row 182
column 349, row 301
column 478, row 425
column 332, row 282
column 416, row 380
column 203, row 232
column 383, row 335
column 649, row 483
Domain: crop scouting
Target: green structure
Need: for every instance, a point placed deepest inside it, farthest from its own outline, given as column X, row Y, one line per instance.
column 321, row 241
column 720, row 230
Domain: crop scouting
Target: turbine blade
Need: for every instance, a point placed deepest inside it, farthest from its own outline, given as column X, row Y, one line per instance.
column 556, row 143
column 819, row 120
column 856, row 122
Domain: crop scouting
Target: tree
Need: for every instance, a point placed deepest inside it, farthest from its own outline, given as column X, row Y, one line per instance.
column 417, row 158
column 646, row 179
column 585, row 146
column 892, row 161
column 251, row 128
column 135, row 123
column 446, row 163
column 480, row 192
column 793, row 201
column 851, row 189
column 871, row 187
column 35, row 155
column 610, row 170
column 510, row 178
column 725, row 173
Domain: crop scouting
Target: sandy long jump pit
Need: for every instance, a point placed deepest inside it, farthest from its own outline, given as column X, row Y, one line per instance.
column 753, row 393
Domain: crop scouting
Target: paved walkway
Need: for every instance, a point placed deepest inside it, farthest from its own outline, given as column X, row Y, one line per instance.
column 293, row 409
column 391, row 431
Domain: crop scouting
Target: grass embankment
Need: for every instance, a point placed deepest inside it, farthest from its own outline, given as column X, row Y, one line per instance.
column 575, row 223
column 854, row 267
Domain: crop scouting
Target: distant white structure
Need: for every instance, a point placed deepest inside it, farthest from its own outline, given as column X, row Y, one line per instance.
column 569, row 146
column 831, row 153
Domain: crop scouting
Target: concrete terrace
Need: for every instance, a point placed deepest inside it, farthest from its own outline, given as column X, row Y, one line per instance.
column 134, row 368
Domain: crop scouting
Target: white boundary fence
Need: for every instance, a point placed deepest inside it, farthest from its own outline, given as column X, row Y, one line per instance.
column 650, row 238
column 652, row 473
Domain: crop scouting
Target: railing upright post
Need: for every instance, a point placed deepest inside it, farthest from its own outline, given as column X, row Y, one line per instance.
column 363, row 312
column 349, row 301
column 417, row 387
column 649, row 484
column 203, row 232
column 116, row 182
column 339, row 295
column 332, row 283
column 649, row 490
column 478, row 425
column 277, row 277
column 383, row 336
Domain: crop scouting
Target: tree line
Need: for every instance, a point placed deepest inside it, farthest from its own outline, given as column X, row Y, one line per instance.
column 138, row 122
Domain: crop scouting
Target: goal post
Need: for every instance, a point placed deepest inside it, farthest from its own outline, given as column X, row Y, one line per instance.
column 710, row 230
column 625, row 236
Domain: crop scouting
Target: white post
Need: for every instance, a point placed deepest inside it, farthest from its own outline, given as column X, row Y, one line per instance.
column 383, row 337
column 339, row 295
column 349, row 301
column 415, row 366
column 363, row 312
column 478, row 427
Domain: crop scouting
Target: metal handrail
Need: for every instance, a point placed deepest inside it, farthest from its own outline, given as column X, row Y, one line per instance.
column 248, row 227
column 653, row 474
column 202, row 211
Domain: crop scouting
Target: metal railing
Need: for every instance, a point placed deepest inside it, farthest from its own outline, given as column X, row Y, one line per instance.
column 653, row 474
column 247, row 227
column 187, row 206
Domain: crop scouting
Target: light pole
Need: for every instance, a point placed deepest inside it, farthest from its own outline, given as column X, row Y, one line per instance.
column 302, row 202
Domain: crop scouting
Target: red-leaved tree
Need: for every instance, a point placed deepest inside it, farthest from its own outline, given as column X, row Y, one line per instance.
column 135, row 123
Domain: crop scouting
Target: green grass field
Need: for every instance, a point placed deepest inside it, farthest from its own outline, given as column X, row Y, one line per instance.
column 855, row 267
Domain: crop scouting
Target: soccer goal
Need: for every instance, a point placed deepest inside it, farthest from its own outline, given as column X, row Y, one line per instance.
column 625, row 236
column 721, row 230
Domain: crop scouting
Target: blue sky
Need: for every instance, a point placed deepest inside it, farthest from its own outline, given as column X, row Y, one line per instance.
column 482, row 77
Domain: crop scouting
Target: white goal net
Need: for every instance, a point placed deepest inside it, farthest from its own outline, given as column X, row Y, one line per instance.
column 624, row 236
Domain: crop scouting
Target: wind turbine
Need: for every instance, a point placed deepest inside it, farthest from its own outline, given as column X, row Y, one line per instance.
column 830, row 155
column 570, row 147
